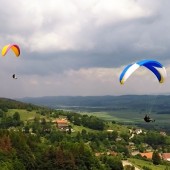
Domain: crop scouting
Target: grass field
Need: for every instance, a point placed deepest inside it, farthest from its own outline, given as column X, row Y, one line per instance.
column 142, row 163
column 24, row 114
column 80, row 128
column 131, row 117
column 128, row 117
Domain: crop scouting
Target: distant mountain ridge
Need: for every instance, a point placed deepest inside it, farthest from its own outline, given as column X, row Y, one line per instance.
column 160, row 102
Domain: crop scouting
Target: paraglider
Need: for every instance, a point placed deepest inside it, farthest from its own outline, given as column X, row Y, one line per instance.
column 14, row 76
column 14, row 47
column 16, row 50
column 154, row 66
column 148, row 119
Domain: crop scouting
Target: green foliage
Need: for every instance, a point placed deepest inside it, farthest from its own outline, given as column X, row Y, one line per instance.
column 6, row 104
column 16, row 116
column 167, row 168
column 9, row 121
column 129, row 167
column 156, row 158
column 49, row 148
column 146, row 168
column 1, row 113
column 113, row 163
column 91, row 122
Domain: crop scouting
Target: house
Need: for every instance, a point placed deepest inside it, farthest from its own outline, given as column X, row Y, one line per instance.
column 99, row 153
column 163, row 133
column 138, row 131
column 118, row 139
column 111, row 153
column 166, row 156
column 131, row 143
column 132, row 146
column 136, row 152
column 109, row 130
column 147, row 155
column 62, row 124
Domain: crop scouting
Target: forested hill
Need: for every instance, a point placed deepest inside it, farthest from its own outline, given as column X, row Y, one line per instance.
column 6, row 103
column 160, row 102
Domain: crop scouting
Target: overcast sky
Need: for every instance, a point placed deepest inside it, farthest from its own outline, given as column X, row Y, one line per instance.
column 80, row 47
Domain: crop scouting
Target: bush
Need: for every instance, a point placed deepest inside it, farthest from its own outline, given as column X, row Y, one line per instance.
column 146, row 168
column 129, row 167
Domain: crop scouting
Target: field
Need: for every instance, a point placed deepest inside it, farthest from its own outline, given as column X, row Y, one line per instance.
column 126, row 109
column 24, row 114
column 141, row 163
column 129, row 116
column 134, row 118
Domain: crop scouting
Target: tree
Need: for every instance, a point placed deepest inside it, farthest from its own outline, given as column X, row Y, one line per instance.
column 129, row 167
column 156, row 158
column 113, row 135
column 16, row 119
column 146, row 168
column 16, row 116
column 26, row 129
column 1, row 113
column 114, row 163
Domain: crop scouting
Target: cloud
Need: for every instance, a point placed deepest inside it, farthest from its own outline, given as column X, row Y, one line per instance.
column 84, row 82
column 66, row 40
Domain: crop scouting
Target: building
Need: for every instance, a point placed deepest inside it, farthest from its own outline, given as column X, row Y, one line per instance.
column 166, row 156
column 163, row 133
column 147, row 155
column 62, row 124
column 138, row 131
column 136, row 152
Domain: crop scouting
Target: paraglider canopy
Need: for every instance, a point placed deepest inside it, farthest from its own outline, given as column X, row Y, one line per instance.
column 15, row 48
column 154, row 66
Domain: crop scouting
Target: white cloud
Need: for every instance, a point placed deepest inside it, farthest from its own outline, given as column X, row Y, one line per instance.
column 94, row 81
column 118, row 11
column 73, row 47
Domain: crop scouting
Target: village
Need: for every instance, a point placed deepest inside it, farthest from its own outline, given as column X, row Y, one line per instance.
column 63, row 125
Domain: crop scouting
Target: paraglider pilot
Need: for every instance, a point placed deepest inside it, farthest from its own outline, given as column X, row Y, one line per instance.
column 14, row 76
column 148, row 119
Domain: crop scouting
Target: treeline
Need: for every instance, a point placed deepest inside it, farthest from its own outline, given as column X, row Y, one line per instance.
column 6, row 104
column 20, row 151
column 9, row 121
column 37, row 144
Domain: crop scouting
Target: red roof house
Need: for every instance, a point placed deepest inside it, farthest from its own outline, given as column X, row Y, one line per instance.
column 166, row 156
column 62, row 123
column 147, row 155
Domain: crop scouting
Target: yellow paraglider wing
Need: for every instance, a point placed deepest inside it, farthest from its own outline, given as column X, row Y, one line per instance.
column 15, row 48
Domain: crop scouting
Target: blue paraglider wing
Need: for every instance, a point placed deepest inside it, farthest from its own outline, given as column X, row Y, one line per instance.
column 154, row 66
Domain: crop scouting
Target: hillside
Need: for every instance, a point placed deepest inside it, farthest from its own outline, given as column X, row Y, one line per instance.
column 32, row 139
column 127, row 109
column 104, row 103
column 14, row 104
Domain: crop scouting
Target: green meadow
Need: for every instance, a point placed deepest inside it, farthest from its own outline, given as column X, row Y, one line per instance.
column 24, row 114
column 141, row 163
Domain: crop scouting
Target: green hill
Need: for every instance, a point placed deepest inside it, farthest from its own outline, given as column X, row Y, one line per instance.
column 14, row 104
column 30, row 138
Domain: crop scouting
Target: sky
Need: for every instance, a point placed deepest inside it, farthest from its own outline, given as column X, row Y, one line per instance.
column 80, row 47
